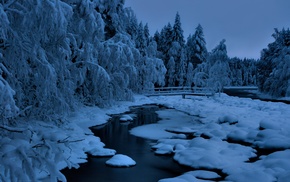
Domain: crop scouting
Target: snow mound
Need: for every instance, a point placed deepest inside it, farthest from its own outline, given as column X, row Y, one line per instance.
column 272, row 139
column 121, row 160
column 164, row 149
column 270, row 124
column 126, row 117
column 102, row 152
column 205, row 174
column 213, row 154
column 192, row 176
column 227, row 119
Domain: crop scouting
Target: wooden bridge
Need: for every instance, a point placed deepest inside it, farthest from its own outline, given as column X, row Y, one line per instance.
column 179, row 91
column 196, row 91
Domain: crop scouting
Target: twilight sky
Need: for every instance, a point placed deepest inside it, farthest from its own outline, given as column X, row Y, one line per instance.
column 247, row 25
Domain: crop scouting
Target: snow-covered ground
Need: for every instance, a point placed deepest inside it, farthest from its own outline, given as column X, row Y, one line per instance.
column 220, row 124
column 221, row 120
column 214, row 121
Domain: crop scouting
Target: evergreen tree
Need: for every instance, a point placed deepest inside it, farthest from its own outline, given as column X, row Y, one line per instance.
column 177, row 32
column 146, row 34
column 141, row 39
column 157, row 38
column 132, row 23
column 171, row 72
column 166, row 42
column 189, row 75
column 219, row 70
column 181, row 69
column 273, row 67
column 196, row 47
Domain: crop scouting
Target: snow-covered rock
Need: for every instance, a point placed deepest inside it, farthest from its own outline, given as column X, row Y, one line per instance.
column 102, row 152
column 125, row 118
column 164, row 149
column 120, row 160
column 227, row 119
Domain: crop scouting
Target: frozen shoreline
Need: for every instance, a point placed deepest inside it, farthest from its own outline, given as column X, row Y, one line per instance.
column 216, row 114
column 263, row 124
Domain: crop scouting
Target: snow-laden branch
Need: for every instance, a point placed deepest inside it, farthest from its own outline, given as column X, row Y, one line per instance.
column 11, row 129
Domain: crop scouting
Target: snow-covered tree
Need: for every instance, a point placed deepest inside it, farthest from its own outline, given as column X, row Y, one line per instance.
column 196, row 47
column 146, row 34
column 273, row 67
column 114, row 16
column 165, row 42
column 132, row 23
column 181, row 69
column 219, row 70
column 141, row 39
column 177, row 32
column 171, row 72
column 189, row 75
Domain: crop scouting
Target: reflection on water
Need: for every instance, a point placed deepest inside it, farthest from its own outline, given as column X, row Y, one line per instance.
column 116, row 136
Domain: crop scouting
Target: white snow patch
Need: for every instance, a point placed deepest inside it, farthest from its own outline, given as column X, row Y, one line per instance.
column 213, row 154
column 102, row 152
column 120, row 160
column 125, row 118
column 186, row 177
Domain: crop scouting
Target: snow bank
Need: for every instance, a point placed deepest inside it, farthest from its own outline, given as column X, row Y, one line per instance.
column 171, row 120
column 241, row 120
column 213, row 154
column 196, row 176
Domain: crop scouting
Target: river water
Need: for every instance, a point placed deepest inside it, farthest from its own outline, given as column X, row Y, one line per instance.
column 115, row 134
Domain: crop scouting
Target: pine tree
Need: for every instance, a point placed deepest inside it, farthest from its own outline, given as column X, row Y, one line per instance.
column 177, row 32
column 166, row 41
column 189, row 75
column 196, row 47
column 132, row 23
column 171, row 72
column 141, row 39
column 146, row 34
column 273, row 67
column 219, row 70
column 181, row 69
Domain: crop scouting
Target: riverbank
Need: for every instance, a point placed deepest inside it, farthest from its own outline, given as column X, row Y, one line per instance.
column 222, row 120
column 231, row 133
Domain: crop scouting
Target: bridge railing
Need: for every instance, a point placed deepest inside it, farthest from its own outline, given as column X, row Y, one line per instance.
column 179, row 90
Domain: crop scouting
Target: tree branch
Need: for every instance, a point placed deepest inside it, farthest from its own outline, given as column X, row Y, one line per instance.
column 10, row 129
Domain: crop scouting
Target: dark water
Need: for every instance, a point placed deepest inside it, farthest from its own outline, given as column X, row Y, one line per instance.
column 252, row 95
column 149, row 168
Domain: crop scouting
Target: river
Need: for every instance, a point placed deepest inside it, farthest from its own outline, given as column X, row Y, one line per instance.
column 115, row 135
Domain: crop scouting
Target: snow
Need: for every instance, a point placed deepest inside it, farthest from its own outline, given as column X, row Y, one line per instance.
column 102, row 152
column 213, row 154
column 205, row 174
column 125, row 118
column 261, row 124
column 197, row 176
column 193, row 176
column 170, row 119
column 121, row 160
column 242, row 120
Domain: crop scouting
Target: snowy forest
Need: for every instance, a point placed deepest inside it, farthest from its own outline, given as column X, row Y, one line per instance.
column 58, row 54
